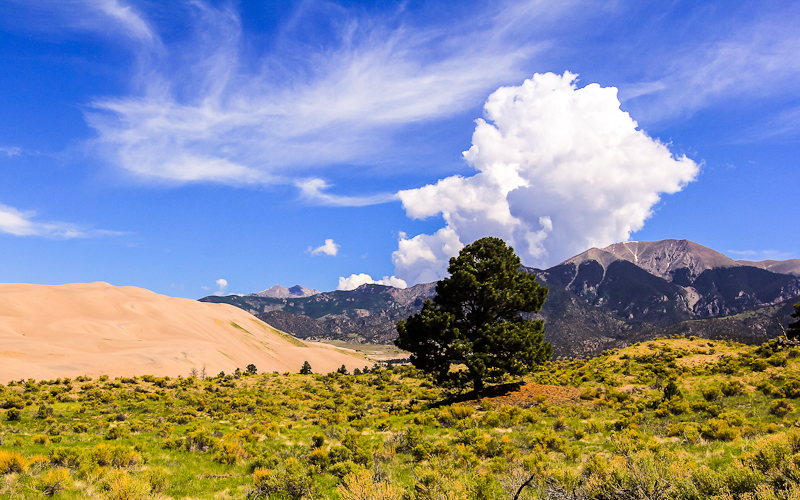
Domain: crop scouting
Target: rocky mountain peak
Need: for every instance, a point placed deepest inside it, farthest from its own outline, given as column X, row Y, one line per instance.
column 660, row 258
column 281, row 292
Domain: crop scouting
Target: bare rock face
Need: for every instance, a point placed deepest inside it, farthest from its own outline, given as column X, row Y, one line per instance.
column 660, row 258
column 281, row 292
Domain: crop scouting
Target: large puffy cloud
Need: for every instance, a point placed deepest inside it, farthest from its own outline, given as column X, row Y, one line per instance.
column 356, row 280
column 560, row 169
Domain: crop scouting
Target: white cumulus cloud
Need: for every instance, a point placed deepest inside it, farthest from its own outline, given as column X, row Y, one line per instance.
column 223, row 285
column 329, row 248
column 356, row 280
column 560, row 169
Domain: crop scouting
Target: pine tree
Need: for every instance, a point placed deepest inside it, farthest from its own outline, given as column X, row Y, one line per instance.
column 475, row 320
column 306, row 369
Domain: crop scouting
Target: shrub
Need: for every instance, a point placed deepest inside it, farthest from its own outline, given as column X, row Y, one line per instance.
column 319, row 457
column 54, row 481
column 158, row 480
column 230, row 452
column 199, row 440
column 173, row 443
column 712, row 394
column 12, row 462
column 792, row 389
column 119, row 485
column 117, row 432
column 732, row 388
column 292, row 481
column 40, row 439
column 671, row 391
column 13, row 415
column 421, row 451
column 317, row 441
column 781, row 407
column 361, row 485
column 65, row 457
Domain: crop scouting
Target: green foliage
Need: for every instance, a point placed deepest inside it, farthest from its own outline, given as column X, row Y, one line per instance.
column 306, row 368
column 291, row 480
column 781, row 407
column 475, row 321
column 793, row 332
column 13, row 415
column 605, row 430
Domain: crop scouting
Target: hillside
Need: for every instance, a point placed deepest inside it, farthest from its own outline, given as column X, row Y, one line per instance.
column 677, row 418
column 96, row 328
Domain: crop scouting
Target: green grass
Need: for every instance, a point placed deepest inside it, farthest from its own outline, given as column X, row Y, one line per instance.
column 623, row 434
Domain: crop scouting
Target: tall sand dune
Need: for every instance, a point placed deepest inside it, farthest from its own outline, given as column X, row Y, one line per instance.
column 93, row 329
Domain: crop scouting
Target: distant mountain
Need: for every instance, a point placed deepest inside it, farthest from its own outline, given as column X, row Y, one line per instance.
column 600, row 299
column 791, row 266
column 281, row 292
column 659, row 258
column 367, row 314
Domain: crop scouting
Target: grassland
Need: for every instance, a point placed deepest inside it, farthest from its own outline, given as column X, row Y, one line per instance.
column 672, row 418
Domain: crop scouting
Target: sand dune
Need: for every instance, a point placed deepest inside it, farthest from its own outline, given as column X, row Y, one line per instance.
column 48, row 332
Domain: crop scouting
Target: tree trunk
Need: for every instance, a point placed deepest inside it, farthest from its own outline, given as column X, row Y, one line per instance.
column 477, row 384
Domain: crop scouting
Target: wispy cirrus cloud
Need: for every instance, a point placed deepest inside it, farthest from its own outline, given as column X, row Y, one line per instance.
column 203, row 114
column 313, row 190
column 757, row 59
column 111, row 18
column 19, row 223
column 10, row 151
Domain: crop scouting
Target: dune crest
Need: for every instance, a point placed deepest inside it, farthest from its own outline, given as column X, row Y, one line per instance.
column 93, row 329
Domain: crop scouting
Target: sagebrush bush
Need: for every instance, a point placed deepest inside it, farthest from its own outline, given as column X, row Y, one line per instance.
column 54, row 481
column 781, row 407
column 361, row 485
column 11, row 462
column 121, row 485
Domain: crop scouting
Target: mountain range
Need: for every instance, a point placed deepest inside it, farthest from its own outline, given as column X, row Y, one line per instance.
column 281, row 292
column 600, row 299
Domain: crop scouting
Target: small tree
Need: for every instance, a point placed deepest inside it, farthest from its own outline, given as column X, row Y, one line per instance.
column 793, row 331
column 342, row 370
column 306, row 369
column 251, row 369
column 475, row 320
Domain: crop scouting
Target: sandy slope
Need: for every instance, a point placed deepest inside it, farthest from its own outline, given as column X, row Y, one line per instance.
column 96, row 328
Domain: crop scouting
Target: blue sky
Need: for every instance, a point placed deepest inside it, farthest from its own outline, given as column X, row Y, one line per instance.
column 193, row 147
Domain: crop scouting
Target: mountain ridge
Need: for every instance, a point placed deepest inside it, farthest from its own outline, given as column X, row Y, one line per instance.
column 281, row 292
column 598, row 299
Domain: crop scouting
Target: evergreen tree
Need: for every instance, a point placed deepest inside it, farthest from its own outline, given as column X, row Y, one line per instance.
column 306, row 369
column 794, row 328
column 475, row 321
